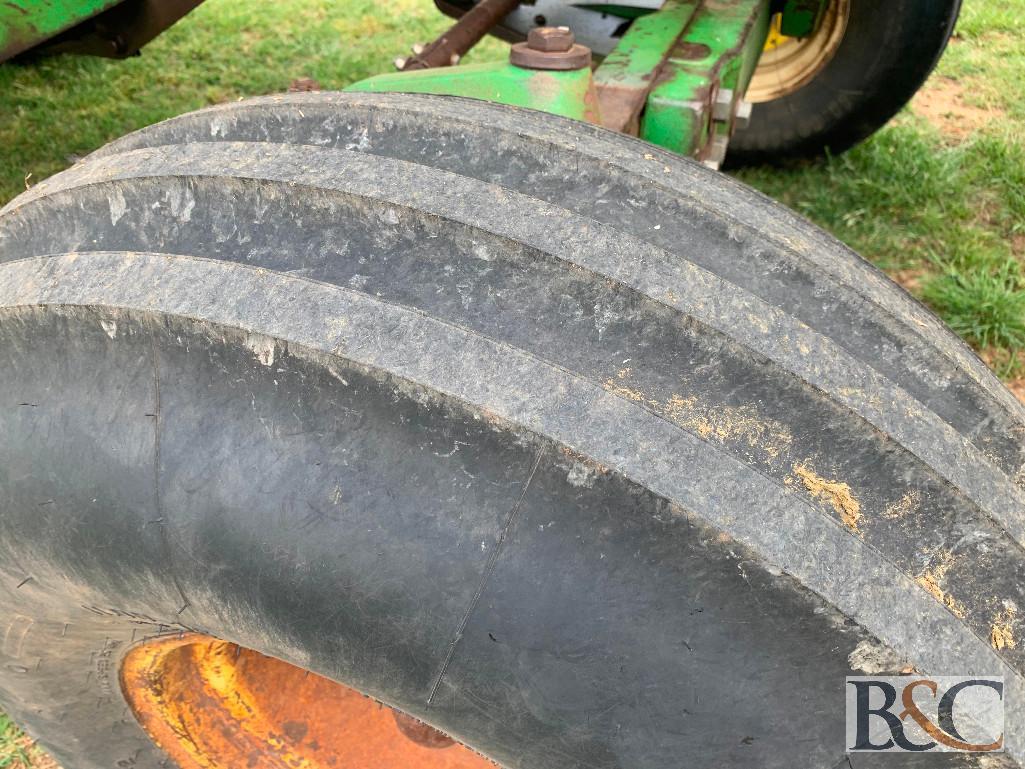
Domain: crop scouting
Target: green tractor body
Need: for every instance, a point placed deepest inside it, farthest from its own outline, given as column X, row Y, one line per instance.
column 113, row 28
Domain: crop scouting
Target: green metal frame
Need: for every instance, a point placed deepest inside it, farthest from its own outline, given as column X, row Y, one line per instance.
column 676, row 78
column 626, row 75
column 570, row 94
column 712, row 64
column 26, row 23
column 801, row 18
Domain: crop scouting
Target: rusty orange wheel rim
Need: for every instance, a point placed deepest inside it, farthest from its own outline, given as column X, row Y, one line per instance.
column 210, row 704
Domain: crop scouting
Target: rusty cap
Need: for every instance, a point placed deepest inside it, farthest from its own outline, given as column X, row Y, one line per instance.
column 552, row 48
column 550, row 39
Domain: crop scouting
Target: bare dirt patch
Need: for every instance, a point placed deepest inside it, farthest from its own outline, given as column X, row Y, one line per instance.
column 910, row 279
column 1001, row 360
column 25, row 746
column 1018, row 246
column 942, row 102
column 1017, row 386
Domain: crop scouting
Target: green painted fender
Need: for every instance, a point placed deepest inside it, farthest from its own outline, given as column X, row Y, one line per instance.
column 27, row 23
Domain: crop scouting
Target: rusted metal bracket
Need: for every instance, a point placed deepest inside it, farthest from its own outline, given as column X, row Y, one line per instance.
column 678, row 76
column 629, row 73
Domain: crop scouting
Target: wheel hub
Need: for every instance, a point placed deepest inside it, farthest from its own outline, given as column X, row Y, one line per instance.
column 211, row 704
column 788, row 63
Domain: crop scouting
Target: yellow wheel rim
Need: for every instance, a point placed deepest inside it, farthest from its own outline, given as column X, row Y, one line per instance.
column 788, row 63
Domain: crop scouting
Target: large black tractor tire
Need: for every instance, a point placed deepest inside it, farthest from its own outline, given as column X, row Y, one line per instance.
column 571, row 448
column 887, row 51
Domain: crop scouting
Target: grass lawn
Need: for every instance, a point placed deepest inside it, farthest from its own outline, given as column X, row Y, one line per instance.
column 17, row 750
column 937, row 198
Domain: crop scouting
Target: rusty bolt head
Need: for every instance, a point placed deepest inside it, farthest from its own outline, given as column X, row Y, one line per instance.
column 550, row 39
column 552, row 48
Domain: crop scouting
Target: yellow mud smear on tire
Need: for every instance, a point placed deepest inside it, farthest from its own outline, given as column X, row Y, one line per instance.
column 720, row 422
column 1001, row 634
column 906, row 504
column 726, row 423
column 836, row 493
column 931, row 580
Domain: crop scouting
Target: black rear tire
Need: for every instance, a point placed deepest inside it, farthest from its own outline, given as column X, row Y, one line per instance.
column 579, row 452
column 888, row 50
